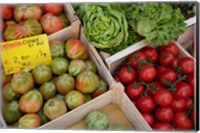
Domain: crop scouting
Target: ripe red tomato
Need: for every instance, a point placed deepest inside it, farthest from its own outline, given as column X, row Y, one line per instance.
column 163, row 97
column 166, row 59
column 171, row 47
column 187, row 65
column 151, row 54
column 136, row 58
column 164, row 114
column 168, row 76
column 175, row 64
column 145, row 104
column 189, row 102
column 183, row 90
column 127, row 75
column 147, row 73
column 134, row 90
column 162, row 127
column 192, row 116
column 180, row 121
column 179, row 105
column 149, row 118
column 3, row 25
column 160, row 69
column 191, row 80
column 7, row 11
column 154, row 88
column 54, row 9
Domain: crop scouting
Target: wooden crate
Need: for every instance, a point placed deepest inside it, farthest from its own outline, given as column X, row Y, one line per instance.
column 117, row 96
column 65, row 34
column 186, row 39
column 70, row 13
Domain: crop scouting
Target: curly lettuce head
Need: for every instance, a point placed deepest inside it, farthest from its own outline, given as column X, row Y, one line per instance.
column 105, row 25
column 159, row 23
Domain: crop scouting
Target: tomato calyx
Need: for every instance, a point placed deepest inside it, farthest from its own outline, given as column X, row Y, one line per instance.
column 136, row 85
column 172, row 87
column 143, row 63
column 150, row 86
column 188, row 111
column 130, row 69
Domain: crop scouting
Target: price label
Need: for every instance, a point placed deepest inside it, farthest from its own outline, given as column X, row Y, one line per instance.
column 25, row 54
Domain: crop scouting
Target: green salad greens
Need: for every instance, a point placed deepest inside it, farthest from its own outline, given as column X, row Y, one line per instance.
column 114, row 27
column 105, row 25
column 159, row 23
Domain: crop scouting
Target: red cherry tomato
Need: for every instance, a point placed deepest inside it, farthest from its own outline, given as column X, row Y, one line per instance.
column 134, row 90
column 180, row 121
column 149, row 118
column 147, row 73
column 151, row 54
column 191, row 80
column 171, row 47
column 166, row 59
column 162, row 127
column 168, row 76
column 163, row 97
column 189, row 103
column 145, row 104
column 127, row 75
column 174, row 64
column 192, row 116
column 154, row 88
column 183, row 90
column 178, row 105
column 187, row 65
column 160, row 69
column 164, row 114
column 136, row 58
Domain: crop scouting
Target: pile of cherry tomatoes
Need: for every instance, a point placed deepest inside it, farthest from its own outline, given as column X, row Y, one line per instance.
column 161, row 85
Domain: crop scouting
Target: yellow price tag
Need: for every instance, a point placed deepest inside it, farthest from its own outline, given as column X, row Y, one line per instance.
column 25, row 54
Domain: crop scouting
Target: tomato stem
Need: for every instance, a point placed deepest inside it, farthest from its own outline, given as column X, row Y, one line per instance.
column 148, row 87
column 173, row 86
column 188, row 111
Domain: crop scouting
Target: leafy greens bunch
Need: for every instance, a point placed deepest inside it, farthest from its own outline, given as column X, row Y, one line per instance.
column 159, row 23
column 105, row 25
column 114, row 27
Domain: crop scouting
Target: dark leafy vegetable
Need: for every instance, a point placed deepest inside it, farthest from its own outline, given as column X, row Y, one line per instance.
column 187, row 9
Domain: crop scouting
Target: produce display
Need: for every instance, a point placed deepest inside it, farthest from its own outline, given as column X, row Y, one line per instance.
column 22, row 21
column 161, row 85
column 113, row 27
column 158, row 77
column 47, row 92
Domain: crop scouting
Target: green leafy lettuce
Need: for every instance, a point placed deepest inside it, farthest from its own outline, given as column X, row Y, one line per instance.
column 105, row 25
column 159, row 23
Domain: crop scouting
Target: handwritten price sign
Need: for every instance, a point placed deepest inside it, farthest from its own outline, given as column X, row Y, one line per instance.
column 25, row 54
